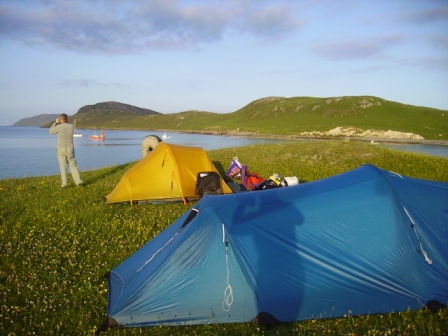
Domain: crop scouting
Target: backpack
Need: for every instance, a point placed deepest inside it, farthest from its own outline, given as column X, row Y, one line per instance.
column 208, row 183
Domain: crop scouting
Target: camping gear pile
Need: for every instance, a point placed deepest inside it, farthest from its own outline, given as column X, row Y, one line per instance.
column 367, row 241
column 172, row 173
column 253, row 181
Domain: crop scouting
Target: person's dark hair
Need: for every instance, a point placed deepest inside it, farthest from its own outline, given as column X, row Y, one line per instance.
column 64, row 117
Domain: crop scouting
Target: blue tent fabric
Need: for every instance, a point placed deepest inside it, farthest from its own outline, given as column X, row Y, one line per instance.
column 363, row 242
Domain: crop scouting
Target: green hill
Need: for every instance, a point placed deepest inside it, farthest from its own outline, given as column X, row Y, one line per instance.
column 284, row 116
column 93, row 116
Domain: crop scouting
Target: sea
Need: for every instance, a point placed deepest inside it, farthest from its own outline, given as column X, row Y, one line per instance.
column 31, row 151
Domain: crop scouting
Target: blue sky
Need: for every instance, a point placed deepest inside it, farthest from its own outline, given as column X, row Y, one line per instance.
column 215, row 55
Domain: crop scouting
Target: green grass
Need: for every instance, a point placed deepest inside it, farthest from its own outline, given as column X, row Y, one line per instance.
column 56, row 244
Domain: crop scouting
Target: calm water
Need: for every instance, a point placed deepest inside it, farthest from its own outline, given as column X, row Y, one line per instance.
column 435, row 150
column 31, row 151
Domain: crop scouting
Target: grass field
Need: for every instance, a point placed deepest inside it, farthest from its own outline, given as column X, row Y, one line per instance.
column 56, row 244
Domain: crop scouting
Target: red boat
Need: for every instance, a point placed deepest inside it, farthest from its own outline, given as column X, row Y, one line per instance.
column 101, row 137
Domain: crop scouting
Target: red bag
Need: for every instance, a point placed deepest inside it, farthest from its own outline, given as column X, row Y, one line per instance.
column 252, row 180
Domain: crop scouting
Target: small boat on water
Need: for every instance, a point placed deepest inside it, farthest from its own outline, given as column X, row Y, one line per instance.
column 165, row 136
column 76, row 135
column 373, row 142
column 101, row 137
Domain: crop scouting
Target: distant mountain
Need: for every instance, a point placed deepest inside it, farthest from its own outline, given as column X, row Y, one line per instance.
column 36, row 121
column 97, row 115
column 112, row 108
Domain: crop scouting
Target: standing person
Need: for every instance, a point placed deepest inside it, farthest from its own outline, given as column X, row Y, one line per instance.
column 65, row 149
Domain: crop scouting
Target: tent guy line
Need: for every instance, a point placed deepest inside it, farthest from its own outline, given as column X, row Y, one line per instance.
column 228, row 292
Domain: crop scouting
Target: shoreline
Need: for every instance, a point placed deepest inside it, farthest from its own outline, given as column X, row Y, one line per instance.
column 304, row 137
column 294, row 136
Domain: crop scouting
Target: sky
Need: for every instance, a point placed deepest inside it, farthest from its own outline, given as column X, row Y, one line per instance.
column 57, row 56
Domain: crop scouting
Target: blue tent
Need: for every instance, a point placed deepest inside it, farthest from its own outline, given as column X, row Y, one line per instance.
column 363, row 242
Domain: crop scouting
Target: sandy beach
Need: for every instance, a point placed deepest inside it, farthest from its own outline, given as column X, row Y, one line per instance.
column 339, row 133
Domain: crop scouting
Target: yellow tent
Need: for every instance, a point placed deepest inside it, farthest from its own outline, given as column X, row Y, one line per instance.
column 168, row 173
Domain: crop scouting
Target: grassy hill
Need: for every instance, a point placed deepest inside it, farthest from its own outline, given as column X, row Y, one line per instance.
column 285, row 116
